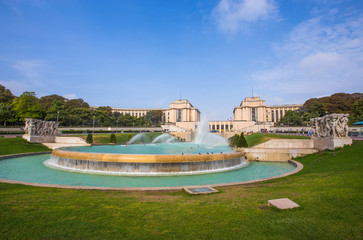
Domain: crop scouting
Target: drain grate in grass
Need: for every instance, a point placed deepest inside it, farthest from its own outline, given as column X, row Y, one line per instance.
column 200, row 190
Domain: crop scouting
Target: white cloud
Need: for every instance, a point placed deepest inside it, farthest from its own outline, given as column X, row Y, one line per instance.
column 70, row 96
column 16, row 5
column 16, row 87
column 29, row 68
column 319, row 56
column 232, row 15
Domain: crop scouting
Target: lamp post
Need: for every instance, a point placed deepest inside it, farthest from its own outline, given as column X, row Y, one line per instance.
column 57, row 116
column 116, row 124
column 93, row 130
column 288, row 128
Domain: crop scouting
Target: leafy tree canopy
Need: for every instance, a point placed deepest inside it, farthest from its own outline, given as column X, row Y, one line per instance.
column 28, row 106
column 358, row 111
column 47, row 101
column 7, row 113
column 5, row 95
column 336, row 103
column 291, row 118
column 154, row 117
column 75, row 103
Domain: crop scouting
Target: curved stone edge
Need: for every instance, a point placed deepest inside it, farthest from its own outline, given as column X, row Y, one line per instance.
column 298, row 168
column 145, row 158
column 23, row 155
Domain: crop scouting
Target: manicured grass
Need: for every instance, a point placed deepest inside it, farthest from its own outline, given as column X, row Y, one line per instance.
column 20, row 145
column 329, row 190
column 121, row 138
column 257, row 138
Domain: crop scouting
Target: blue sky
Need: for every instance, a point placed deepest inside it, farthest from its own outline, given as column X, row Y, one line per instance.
column 143, row 53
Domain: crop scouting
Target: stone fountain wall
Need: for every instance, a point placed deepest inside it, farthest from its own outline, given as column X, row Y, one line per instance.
column 330, row 131
column 40, row 131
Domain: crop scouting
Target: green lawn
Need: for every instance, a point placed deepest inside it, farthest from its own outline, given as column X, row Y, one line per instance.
column 20, row 145
column 120, row 137
column 329, row 190
column 257, row 138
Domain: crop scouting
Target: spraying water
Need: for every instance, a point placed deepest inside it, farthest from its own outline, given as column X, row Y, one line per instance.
column 162, row 138
column 203, row 136
column 139, row 136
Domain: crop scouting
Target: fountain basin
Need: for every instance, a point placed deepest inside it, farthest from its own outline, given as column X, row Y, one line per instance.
column 145, row 164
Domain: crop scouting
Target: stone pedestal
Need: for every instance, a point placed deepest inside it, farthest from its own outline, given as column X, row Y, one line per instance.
column 39, row 138
column 331, row 142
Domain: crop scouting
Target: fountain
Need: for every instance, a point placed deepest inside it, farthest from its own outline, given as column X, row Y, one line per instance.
column 138, row 137
column 163, row 138
column 208, row 153
column 203, row 135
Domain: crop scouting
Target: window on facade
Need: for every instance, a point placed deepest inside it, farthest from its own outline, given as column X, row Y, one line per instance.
column 272, row 116
column 277, row 115
column 179, row 116
column 285, row 111
column 222, row 127
column 217, row 127
column 231, row 127
column 226, row 127
column 254, row 114
column 281, row 113
column 213, row 127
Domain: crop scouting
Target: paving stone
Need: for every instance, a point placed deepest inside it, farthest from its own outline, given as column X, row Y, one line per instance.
column 283, row 203
column 200, row 190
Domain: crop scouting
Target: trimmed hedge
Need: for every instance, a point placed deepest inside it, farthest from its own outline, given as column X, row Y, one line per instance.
column 11, row 132
column 89, row 138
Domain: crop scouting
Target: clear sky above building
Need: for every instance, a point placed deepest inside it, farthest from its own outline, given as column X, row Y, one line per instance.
column 144, row 53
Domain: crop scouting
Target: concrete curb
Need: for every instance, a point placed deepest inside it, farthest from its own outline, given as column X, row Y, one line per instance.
column 298, row 168
column 22, row 155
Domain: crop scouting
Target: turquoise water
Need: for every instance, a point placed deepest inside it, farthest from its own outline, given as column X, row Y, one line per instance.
column 162, row 149
column 32, row 169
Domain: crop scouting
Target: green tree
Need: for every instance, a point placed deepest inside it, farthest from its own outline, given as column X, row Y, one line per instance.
column 291, row 118
column 358, row 111
column 75, row 103
column 242, row 141
column 89, row 138
column 126, row 120
column 5, row 95
column 336, row 103
column 104, row 116
column 47, row 101
column 28, row 106
column 113, row 138
column 234, row 140
column 7, row 113
column 154, row 117
column 52, row 113
column 76, row 117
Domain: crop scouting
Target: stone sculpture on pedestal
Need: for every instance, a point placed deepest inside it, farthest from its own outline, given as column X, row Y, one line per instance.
column 40, row 131
column 330, row 131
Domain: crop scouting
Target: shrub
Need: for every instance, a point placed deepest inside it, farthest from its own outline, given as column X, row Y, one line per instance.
column 113, row 138
column 242, row 141
column 89, row 138
column 234, row 140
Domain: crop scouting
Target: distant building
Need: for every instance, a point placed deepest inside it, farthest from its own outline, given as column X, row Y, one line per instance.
column 252, row 115
column 180, row 113
column 255, row 109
